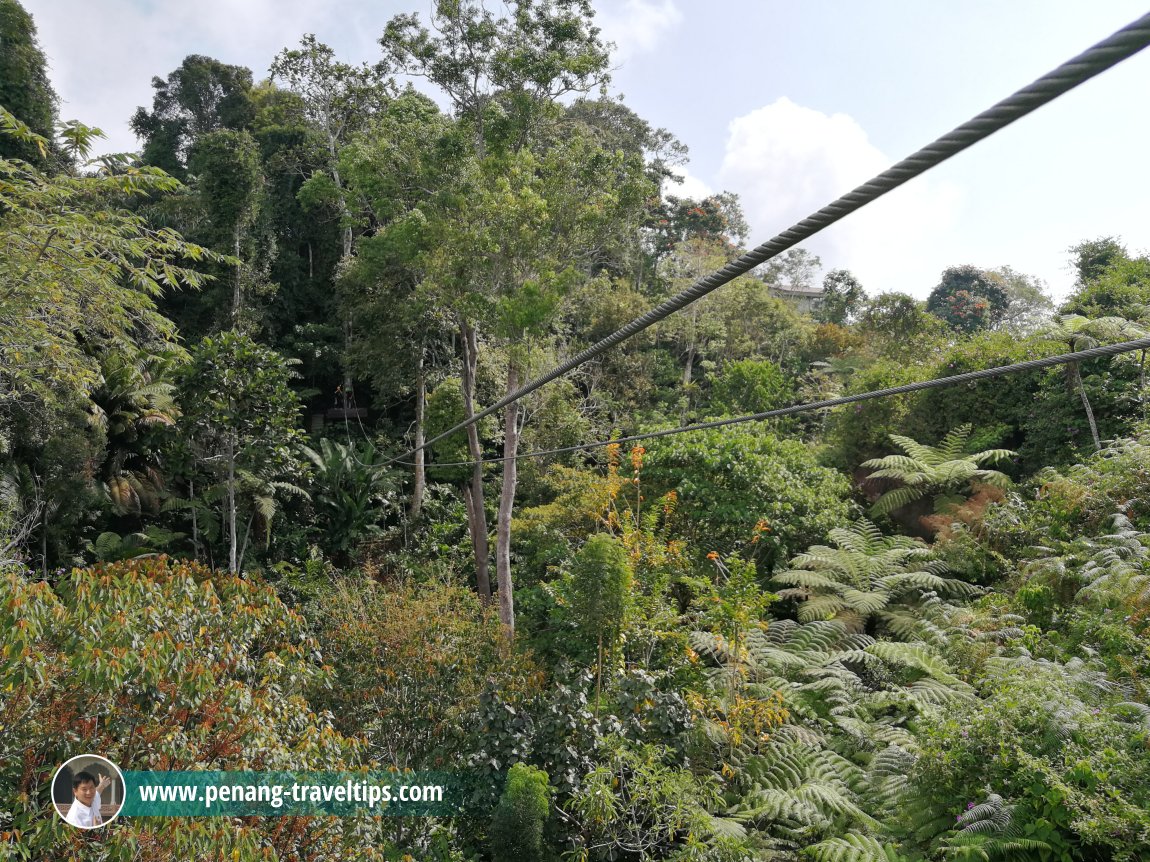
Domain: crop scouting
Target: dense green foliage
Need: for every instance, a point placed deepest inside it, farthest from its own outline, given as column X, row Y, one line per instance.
column 24, row 86
column 161, row 665
column 214, row 555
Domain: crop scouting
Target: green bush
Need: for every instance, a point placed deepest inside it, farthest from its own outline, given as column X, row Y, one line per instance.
column 750, row 386
column 1054, row 740
column 517, row 824
column 409, row 662
column 860, row 431
column 745, row 488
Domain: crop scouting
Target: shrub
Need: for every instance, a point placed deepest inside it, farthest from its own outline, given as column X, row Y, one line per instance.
column 164, row 665
column 750, row 386
column 517, row 825
column 1067, row 757
column 409, row 664
column 736, row 485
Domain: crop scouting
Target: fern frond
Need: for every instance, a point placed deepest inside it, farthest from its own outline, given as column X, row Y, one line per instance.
column 854, row 847
column 954, row 443
column 913, row 655
column 897, row 498
column 806, row 579
column 819, row 608
column 919, row 451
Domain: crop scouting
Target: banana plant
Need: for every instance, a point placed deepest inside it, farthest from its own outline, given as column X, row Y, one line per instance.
column 352, row 491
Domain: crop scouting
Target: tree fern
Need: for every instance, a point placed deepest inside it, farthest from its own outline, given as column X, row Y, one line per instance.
column 866, row 576
column 988, row 831
column 933, row 470
column 813, row 788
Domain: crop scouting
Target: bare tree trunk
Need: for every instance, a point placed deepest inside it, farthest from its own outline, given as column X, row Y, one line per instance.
column 247, row 535
column 345, row 261
column 476, row 517
column 237, row 288
column 507, row 503
column 420, row 470
column 1142, row 383
column 195, row 518
column 1076, row 376
column 233, row 563
column 689, row 368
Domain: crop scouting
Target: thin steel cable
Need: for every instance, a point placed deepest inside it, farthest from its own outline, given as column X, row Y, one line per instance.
column 1097, row 59
column 938, row 383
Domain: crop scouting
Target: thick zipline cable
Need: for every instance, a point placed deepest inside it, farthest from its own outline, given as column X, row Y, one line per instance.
column 938, row 383
column 1109, row 52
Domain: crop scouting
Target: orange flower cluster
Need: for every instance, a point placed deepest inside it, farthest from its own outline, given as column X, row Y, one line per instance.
column 613, row 454
column 637, row 453
column 763, row 526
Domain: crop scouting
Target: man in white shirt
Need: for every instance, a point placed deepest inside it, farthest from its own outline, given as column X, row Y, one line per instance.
column 85, row 810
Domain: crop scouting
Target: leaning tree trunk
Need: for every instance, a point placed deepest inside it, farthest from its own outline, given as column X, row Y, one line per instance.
column 1076, row 381
column 420, row 469
column 195, row 520
column 237, row 284
column 689, row 367
column 1142, row 384
column 344, row 263
column 476, row 516
column 233, row 566
column 507, row 503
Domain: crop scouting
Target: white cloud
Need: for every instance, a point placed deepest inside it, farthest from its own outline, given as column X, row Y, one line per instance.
column 637, row 26
column 691, row 187
column 787, row 161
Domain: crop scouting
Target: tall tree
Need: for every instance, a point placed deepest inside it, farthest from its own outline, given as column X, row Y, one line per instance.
column 1092, row 257
column 795, row 269
column 695, row 329
column 226, row 166
column 968, row 298
column 1028, row 305
column 24, row 86
column 79, row 280
column 717, row 217
column 400, row 167
column 897, row 326
column 203, row 95
column 1075, row 332
column 501, row 72
column 339, row 99
column 76, row 270
column 517, row 243
column 304, row 319
column 503, row 75
column 843, row 297
column 240, row 426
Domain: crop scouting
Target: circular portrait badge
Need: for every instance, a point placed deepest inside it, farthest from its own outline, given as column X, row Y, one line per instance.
column 88, row 791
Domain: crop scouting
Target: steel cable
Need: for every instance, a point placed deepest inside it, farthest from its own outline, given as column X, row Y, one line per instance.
column 1105, row 54
column 938, row 383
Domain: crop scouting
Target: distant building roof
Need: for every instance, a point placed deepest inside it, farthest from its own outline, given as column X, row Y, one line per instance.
column 796, row 291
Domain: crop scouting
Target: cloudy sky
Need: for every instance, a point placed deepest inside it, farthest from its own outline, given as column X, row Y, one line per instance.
column 787, row 104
